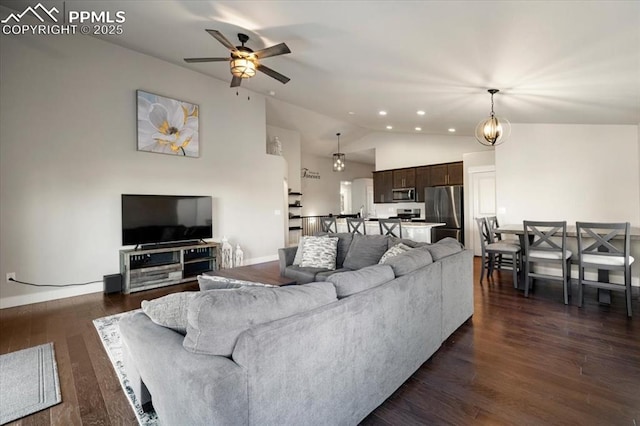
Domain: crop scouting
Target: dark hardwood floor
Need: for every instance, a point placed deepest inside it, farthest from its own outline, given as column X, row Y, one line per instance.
column 517, row 361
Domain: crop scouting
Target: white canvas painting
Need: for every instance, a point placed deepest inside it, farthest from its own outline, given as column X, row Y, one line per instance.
column 167, row 126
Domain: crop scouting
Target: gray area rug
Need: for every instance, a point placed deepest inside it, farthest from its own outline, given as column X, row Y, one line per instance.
column 28, row 382
column 109, row 333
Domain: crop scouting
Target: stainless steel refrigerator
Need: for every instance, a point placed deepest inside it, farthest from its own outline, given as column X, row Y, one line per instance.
column 443, row 204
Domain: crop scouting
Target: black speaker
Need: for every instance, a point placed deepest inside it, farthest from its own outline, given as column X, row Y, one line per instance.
column 112, row 283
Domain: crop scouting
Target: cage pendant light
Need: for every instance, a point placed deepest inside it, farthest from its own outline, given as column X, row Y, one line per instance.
column 494, row 130
column 338, row 158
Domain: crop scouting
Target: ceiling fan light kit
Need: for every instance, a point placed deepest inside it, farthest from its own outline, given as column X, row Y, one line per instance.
column 244, row 62
column 493, row 130
column 338, row 158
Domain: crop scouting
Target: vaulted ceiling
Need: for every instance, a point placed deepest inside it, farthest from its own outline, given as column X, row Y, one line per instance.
column 553, row 61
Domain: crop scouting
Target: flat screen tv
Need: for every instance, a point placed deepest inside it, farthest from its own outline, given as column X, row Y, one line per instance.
column 157, row 219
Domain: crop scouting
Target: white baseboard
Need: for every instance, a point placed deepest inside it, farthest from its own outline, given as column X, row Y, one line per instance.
column 62, row 293
column 46, row 296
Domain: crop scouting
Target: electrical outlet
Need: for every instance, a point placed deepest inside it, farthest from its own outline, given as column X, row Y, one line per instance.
column 11, row 275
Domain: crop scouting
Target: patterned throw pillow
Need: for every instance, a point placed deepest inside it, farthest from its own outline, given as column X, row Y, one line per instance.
column 319, row 252
column 213, row 282
column 394, row 251
column 298, row 259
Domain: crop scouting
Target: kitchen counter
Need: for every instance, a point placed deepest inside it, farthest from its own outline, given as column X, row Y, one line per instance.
column 416, row 231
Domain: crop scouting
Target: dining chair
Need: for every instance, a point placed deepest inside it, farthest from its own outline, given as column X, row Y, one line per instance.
column 355, row 225
column 493, row 250
column 597, row 251
column 328, row 224
column 541, row 246
column 391, row 227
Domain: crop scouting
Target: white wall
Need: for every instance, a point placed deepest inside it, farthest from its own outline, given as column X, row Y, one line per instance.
column 290, row 140
column 396, row 150
column 569, row 172
column 68, row 151
column 322, row 196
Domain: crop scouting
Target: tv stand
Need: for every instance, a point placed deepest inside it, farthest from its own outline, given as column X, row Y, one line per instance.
column 162, row 265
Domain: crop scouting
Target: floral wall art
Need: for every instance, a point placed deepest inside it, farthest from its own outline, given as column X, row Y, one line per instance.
column 167, row 126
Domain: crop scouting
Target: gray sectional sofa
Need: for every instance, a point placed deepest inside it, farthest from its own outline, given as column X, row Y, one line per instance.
column 325, row 353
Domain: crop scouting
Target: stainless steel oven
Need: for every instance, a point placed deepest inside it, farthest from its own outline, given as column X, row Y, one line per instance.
column 404, row 194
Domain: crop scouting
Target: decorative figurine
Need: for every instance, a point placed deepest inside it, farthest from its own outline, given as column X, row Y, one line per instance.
column 239, row 257
column 226, row 254
column 276, row 146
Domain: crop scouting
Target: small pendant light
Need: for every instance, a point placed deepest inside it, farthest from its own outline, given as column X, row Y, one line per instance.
column 494, row 130
column 338, row 158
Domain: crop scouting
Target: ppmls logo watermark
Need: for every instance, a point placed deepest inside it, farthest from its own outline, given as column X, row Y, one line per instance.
column 54, row 22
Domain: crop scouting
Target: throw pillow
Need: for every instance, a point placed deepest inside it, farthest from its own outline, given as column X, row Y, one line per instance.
column 211, row 282
column 394, row 251
column 217, row 318
column 365, row 250
column 298, row 259
column 169, row 311
column 320, row 252
column 352, row 282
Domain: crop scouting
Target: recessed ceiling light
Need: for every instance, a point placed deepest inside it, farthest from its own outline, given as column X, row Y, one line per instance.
column 272, row 93
column 420, row 112
column 452, row 130
column 382, row 112
column 351, row 113
column 418, row 129
column 389, row 127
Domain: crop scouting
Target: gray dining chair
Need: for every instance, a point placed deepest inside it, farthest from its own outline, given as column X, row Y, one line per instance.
column 597, row 251
column 356, row 225
column 497, row 254
column 545, row 242
column 328, row 224
column 391, row 227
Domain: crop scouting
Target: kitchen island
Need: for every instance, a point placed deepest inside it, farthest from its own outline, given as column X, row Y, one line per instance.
column 416, row 231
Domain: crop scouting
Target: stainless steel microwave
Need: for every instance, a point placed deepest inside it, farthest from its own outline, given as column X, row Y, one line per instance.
column 404, row 194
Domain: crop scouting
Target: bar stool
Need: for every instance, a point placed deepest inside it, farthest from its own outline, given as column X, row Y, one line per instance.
column 391, row 227
column 328, row 224
column 493, row 252
column 356, row 225
column 603, row 255
column 539, row 247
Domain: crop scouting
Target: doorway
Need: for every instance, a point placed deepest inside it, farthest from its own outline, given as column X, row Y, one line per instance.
column 483, row 201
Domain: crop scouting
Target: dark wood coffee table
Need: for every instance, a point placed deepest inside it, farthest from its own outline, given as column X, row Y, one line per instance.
column 265, row 273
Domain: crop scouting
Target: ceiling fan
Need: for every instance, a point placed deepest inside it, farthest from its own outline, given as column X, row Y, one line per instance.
column 243, row 60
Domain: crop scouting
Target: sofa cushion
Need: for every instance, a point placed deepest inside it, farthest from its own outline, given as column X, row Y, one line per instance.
column 344, row 242
column 323, row 275
column 394, row 251
column 216, row 318
column 213, row 282
column 320, row 252
column 351, row 282
column 407, row 242
column 303, row 275
column 409, row 261
column 365, row 250
column 169, row 311
column 443, row 248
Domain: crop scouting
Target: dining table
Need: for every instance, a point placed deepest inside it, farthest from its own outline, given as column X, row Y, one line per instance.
column 604, row 296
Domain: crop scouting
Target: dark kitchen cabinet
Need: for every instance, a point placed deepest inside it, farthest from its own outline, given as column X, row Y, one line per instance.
column 446, row 174
column 404, row 178
column 383, row 186
column 422, row 181
column 456, row 174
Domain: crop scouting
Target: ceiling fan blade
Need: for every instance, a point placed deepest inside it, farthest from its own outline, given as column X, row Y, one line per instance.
column 278, row 49
column 192, row 60
column 235, row 81
column 222, row 39
column 273, row 74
